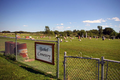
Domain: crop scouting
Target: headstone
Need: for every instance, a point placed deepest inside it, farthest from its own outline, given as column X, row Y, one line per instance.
column 86, row 34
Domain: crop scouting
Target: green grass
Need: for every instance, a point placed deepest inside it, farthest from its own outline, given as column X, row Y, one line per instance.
column 110, row 49
column 93, row 48
column 13, row 70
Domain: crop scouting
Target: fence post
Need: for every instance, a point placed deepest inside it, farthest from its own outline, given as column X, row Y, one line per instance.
column 98, row 68
column 102, row 68
column 64, row 65
column 16, row 44
column 58, row 58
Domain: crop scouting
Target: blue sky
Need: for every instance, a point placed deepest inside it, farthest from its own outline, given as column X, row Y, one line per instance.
column 61, row 15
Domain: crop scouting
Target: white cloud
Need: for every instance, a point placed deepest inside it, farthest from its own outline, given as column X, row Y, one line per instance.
column 62, row 24
column 87, row 24
column 104, row 26
column 116, row 18
column 95, row 21
column 25, row 25
column 60, row 27
column 70, row 22
column 67, row 27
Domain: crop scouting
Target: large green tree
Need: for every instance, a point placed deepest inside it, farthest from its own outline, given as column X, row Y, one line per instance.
column 118, row 35
column 47, row 30
column 75, row 32
column 108, row 31
column 56, row 32
column 100, row 30
column 81, row 32
column 94, row 31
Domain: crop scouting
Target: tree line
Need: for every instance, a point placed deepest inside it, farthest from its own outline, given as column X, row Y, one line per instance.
column 107, row 32
column 99, row 32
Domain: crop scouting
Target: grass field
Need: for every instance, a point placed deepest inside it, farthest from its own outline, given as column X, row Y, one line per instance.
column 95, row 48
column 12, row 70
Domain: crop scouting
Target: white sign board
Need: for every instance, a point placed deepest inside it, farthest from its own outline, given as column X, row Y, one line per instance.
column 44, row 52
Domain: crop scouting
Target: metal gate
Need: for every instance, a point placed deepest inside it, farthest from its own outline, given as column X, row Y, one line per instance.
column 84, row 68
column 81, row 68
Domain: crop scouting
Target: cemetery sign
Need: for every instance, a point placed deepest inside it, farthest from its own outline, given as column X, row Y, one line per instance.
column 44, row 52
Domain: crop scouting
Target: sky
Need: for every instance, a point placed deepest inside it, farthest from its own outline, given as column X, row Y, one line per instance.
column 61, row 15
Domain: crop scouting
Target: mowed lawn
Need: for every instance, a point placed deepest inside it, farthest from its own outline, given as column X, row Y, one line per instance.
column 95, row 48
column 12, row 70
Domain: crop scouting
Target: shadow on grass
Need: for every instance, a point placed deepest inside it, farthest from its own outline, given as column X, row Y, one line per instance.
column 27, row 67
column 36, row 71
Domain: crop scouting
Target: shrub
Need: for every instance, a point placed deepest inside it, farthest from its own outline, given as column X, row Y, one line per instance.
column 11, row 56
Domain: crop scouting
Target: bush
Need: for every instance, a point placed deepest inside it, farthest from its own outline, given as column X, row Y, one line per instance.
column 11, row 56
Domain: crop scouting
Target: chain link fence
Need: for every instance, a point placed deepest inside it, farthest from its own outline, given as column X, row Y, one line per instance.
column 76, row 68
column 111, row 70
column 29, row 59
column 82, row 68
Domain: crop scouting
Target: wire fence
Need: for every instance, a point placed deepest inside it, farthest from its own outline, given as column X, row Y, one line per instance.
column 111, row 70
column 29, row 58
column 75, row 68
column 82, row 68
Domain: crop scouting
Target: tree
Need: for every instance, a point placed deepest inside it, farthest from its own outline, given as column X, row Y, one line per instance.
column 113, row 33
column 91, row 34
column 56, row 32
column 5, row 31
column 62, row 33
column 52, row 33
column 100, row 30
column 75, row 32
column 47, row 30
column 68, row 32
column 94, row 31
column 81, row 33
column 118, row 35
column 108, row 31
